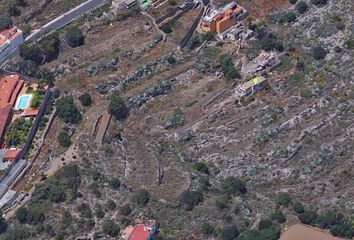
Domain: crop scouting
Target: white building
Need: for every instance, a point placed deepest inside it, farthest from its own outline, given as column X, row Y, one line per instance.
column 10, row 39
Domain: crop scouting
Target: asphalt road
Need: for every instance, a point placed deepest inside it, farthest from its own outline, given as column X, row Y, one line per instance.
column 64, row 19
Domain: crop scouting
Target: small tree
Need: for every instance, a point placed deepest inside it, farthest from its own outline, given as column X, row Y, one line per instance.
column 271, row 233
column 117, row 107
column 290, row 17
column 110, row 204
column 141, row 197
column 5, row 22
column 201, row 167
column 319, row 3
column 125, row 210
column 114, row 183
column 13, row 10
column 283, row 199
column 207, row 229
column 85, row 99
column 301, row 7
column 67, row 110
column 64, row 139
column 278, row 216
column 264, row 223
column 189, row 199
column 35, row 215
column 298, row 207
column 318, row 53
column 172, row 2
column 74, row 37
column 21, row 214
column 229, row 233
column 208, row 36
column 232, row 185
column 111, row 228
column 171, row 60
column 308, row 217
column 85, row 210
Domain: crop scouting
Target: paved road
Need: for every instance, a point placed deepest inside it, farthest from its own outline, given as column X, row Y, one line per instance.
column 65, row 19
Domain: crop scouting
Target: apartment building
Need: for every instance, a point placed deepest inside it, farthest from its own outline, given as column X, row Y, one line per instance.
column 220, row 20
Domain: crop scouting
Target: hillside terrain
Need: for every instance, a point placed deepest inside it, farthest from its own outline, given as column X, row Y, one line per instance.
column 185, row 150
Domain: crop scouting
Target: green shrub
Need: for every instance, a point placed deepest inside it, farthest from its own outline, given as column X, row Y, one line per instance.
column 301, row 7
column 141, row 197
column 306, row 93
column 13, row 10
column 264, row 223
column 207, row 229
column 298, row 207
column 345, row 229
column 67, row 110
column 85, row 99
column 232, row 185
column 125, row 210
column 319, row 3
column 271, row 233
column 74, row 36
column 171, row 60
column 166, row 28
column 21, row 214
column 172, row 2
column 85, row 210
column 35, row 215
column 349, row 44
column 99, row 211
column 201, row 167
column 318, row 53
column 110, row 204
column 222, row 202
column 251, row 235
column 229, row 233
column 110, row 228
column 278, row 216
column 189, row 199
column 114, row 183
column 228, row 67
column 117, row 107
column 64, row 139
column 5, row 22
column 308, row 217
column 208, row 36
column 282, row 199
column 289, row 17
column 329, row 218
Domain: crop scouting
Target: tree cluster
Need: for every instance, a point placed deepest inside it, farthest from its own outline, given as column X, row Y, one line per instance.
column 67, row 110
column 228, row 67
column 74, row 36
column 41, row 51
column 117, row 107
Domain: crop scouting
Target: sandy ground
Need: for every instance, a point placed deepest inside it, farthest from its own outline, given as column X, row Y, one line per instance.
column 303, row 232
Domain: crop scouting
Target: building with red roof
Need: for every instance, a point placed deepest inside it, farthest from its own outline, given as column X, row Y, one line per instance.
column 5, row 118
column 10, row 87
column 144, row 231
column 11, row 154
